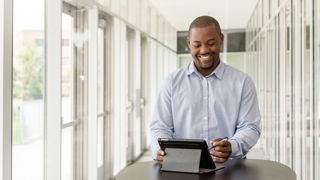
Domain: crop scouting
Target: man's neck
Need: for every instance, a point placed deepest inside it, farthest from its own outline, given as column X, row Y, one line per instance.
column 207, row 72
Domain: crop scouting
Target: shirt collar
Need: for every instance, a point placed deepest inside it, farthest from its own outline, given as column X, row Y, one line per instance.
column 218, row 72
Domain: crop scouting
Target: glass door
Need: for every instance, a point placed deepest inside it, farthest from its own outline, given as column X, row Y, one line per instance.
column 73, row 92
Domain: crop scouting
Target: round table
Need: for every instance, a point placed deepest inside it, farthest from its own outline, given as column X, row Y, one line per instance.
column 245, row 169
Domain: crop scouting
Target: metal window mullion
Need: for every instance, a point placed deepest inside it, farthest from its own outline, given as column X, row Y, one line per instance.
column 53, row 91
column 6, row 29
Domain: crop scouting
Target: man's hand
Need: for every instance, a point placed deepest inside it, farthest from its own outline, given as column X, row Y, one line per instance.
column 160, row 155
column 221, row 150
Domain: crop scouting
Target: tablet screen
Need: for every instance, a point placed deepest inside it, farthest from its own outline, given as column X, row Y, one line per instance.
column 205, row 161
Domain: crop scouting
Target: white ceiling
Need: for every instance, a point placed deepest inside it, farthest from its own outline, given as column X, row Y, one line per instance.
column 231, row 14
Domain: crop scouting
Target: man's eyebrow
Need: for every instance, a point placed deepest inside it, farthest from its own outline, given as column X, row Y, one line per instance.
column 213, row 39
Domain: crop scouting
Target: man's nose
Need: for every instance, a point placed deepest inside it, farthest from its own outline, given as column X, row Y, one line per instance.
column 204, row 49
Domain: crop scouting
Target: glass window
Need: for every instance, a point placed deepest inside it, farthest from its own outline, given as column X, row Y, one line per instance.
column 67, row 63
column 67, row 97
column 67, row 154
column 236, row 42
column 28, row 90
column 182, row 42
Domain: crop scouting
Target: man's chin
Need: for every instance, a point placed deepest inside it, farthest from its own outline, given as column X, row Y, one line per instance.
column 206, row 65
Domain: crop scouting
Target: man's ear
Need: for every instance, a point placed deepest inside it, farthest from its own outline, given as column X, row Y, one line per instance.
column 188, row 42
column 221, row 38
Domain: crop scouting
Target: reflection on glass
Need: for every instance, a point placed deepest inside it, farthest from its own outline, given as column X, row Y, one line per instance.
column 28, row 90
column 67, row 154
column 67, row 69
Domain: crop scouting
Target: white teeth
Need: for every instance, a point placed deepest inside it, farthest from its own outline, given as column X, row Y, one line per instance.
column 204, row 56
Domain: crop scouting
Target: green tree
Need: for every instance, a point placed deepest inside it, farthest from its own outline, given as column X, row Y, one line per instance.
column 28, row 75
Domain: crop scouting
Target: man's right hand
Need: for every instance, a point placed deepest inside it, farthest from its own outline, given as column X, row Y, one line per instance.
column 160, row 155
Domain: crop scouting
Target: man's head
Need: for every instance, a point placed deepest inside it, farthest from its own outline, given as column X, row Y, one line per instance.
column 204, row 41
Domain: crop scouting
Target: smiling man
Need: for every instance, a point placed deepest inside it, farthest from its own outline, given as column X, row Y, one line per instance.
column 207, row 99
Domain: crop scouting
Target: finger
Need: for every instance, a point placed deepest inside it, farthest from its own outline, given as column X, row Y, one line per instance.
column 215, row 140
column 219, row 160
column 221, row 143
column 220, row 154
column 222, row 149
column 160, row 158
column 161, row 153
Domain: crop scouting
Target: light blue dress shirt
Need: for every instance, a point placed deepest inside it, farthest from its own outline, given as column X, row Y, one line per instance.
column 223, row 104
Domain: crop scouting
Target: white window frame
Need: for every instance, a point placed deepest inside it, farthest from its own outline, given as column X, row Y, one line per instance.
column 93, row 26
column 53, row 91
column 6, row 29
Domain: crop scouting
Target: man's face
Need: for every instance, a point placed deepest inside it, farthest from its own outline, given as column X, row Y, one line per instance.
column 204, row 44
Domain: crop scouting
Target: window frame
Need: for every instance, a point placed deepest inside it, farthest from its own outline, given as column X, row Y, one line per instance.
column 6, row 29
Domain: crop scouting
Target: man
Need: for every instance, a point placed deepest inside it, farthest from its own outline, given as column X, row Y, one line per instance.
column 207, row 99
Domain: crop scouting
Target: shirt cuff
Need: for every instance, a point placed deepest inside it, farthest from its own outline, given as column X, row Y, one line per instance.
column 236, row 152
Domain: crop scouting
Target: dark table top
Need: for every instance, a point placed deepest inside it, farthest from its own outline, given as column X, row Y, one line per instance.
column 245, row 169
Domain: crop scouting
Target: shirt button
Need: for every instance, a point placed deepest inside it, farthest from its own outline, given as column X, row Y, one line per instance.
column 205, row 118
column 205, row 98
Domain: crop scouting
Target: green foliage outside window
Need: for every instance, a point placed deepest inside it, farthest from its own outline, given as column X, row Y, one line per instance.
column 28, row 74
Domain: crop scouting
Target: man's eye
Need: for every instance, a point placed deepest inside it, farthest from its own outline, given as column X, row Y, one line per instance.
column 196, row 45
column 211, row 43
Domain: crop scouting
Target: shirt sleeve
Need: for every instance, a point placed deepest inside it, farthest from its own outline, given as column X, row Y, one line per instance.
column 248, row 129
column 161, row 125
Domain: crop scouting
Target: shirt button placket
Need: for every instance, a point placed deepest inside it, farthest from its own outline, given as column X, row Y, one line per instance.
column 205, row 108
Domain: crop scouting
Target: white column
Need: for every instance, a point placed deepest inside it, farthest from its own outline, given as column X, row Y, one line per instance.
column 53, row 91
column 137, row 88
column 6, row 18
column 120, row 99
column 92, row 94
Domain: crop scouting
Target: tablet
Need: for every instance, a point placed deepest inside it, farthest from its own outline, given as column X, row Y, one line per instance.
column 205, row 161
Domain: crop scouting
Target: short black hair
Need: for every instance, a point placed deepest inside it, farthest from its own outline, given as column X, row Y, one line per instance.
column 204, row 21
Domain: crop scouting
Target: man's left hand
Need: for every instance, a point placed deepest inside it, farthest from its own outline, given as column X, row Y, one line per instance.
column 221, row 150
